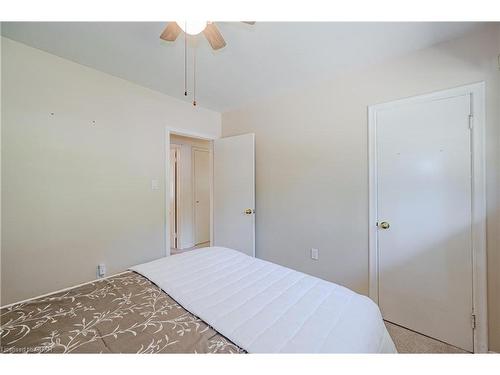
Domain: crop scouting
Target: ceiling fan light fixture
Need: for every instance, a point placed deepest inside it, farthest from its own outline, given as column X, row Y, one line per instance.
column 209, row 30
column 192, row 27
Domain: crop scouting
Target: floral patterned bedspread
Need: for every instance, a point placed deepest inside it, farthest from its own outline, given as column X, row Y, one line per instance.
column 122, row 314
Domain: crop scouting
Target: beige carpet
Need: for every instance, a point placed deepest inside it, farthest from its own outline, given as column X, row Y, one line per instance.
column 179, row 251
column 407, row 341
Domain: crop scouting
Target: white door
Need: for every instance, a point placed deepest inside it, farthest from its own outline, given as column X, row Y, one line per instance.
column 424, row 218
column 234, row 193
column 201, row 196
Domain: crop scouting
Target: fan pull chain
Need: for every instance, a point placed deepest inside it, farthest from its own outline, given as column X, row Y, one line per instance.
column 185, row 60
column 194, row 77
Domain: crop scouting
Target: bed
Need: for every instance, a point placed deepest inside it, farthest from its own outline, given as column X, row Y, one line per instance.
column 210, row 300
column 126, row 313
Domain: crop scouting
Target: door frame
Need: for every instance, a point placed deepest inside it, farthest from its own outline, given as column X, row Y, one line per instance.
column 193, row 181
column 192, row 134
column 178, row 200
column 476, row 91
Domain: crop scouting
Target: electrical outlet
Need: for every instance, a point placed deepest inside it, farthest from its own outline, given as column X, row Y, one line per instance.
column 101, row 270
column 315, row 254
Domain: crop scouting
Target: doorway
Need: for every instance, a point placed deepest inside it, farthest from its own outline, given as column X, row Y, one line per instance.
column 231, row 192
column 190, row 187
column 427, row 259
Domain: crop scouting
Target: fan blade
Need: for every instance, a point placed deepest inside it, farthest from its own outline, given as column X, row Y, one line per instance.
column 214, row 36
column 171, row 32
column 249, row 22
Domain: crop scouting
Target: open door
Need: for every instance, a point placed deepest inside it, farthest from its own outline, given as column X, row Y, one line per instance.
column 234, row 193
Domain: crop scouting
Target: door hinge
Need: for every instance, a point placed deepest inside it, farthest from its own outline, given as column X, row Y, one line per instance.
column 471, row 120
column 473, row 321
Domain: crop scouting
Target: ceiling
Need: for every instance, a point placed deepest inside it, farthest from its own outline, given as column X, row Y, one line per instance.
column 258, row 61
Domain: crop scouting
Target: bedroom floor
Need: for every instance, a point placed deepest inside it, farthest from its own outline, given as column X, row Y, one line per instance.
column 408, row 341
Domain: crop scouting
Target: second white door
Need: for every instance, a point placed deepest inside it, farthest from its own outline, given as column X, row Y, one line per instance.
column 201, row 186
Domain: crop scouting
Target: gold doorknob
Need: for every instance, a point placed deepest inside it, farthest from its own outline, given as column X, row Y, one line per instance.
column 249, row 211
column 384, row 225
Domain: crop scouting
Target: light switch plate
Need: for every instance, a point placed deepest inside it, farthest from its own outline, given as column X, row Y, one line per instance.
column 155, row 185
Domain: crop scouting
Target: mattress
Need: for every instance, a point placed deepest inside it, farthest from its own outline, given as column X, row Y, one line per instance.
column 265, row 308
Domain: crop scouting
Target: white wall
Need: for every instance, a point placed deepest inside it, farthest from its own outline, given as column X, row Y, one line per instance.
column 76, row 193
column 186, row 233
column 312, row 162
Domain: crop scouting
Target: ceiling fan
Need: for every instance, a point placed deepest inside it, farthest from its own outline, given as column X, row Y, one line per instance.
column 209, row 29
column 193, row 28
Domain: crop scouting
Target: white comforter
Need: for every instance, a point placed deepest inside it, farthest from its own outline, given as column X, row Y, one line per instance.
column 266, row 308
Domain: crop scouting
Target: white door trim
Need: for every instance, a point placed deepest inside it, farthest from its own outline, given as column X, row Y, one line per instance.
column 185, row 133
column 479, row 287
column 178, row 195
